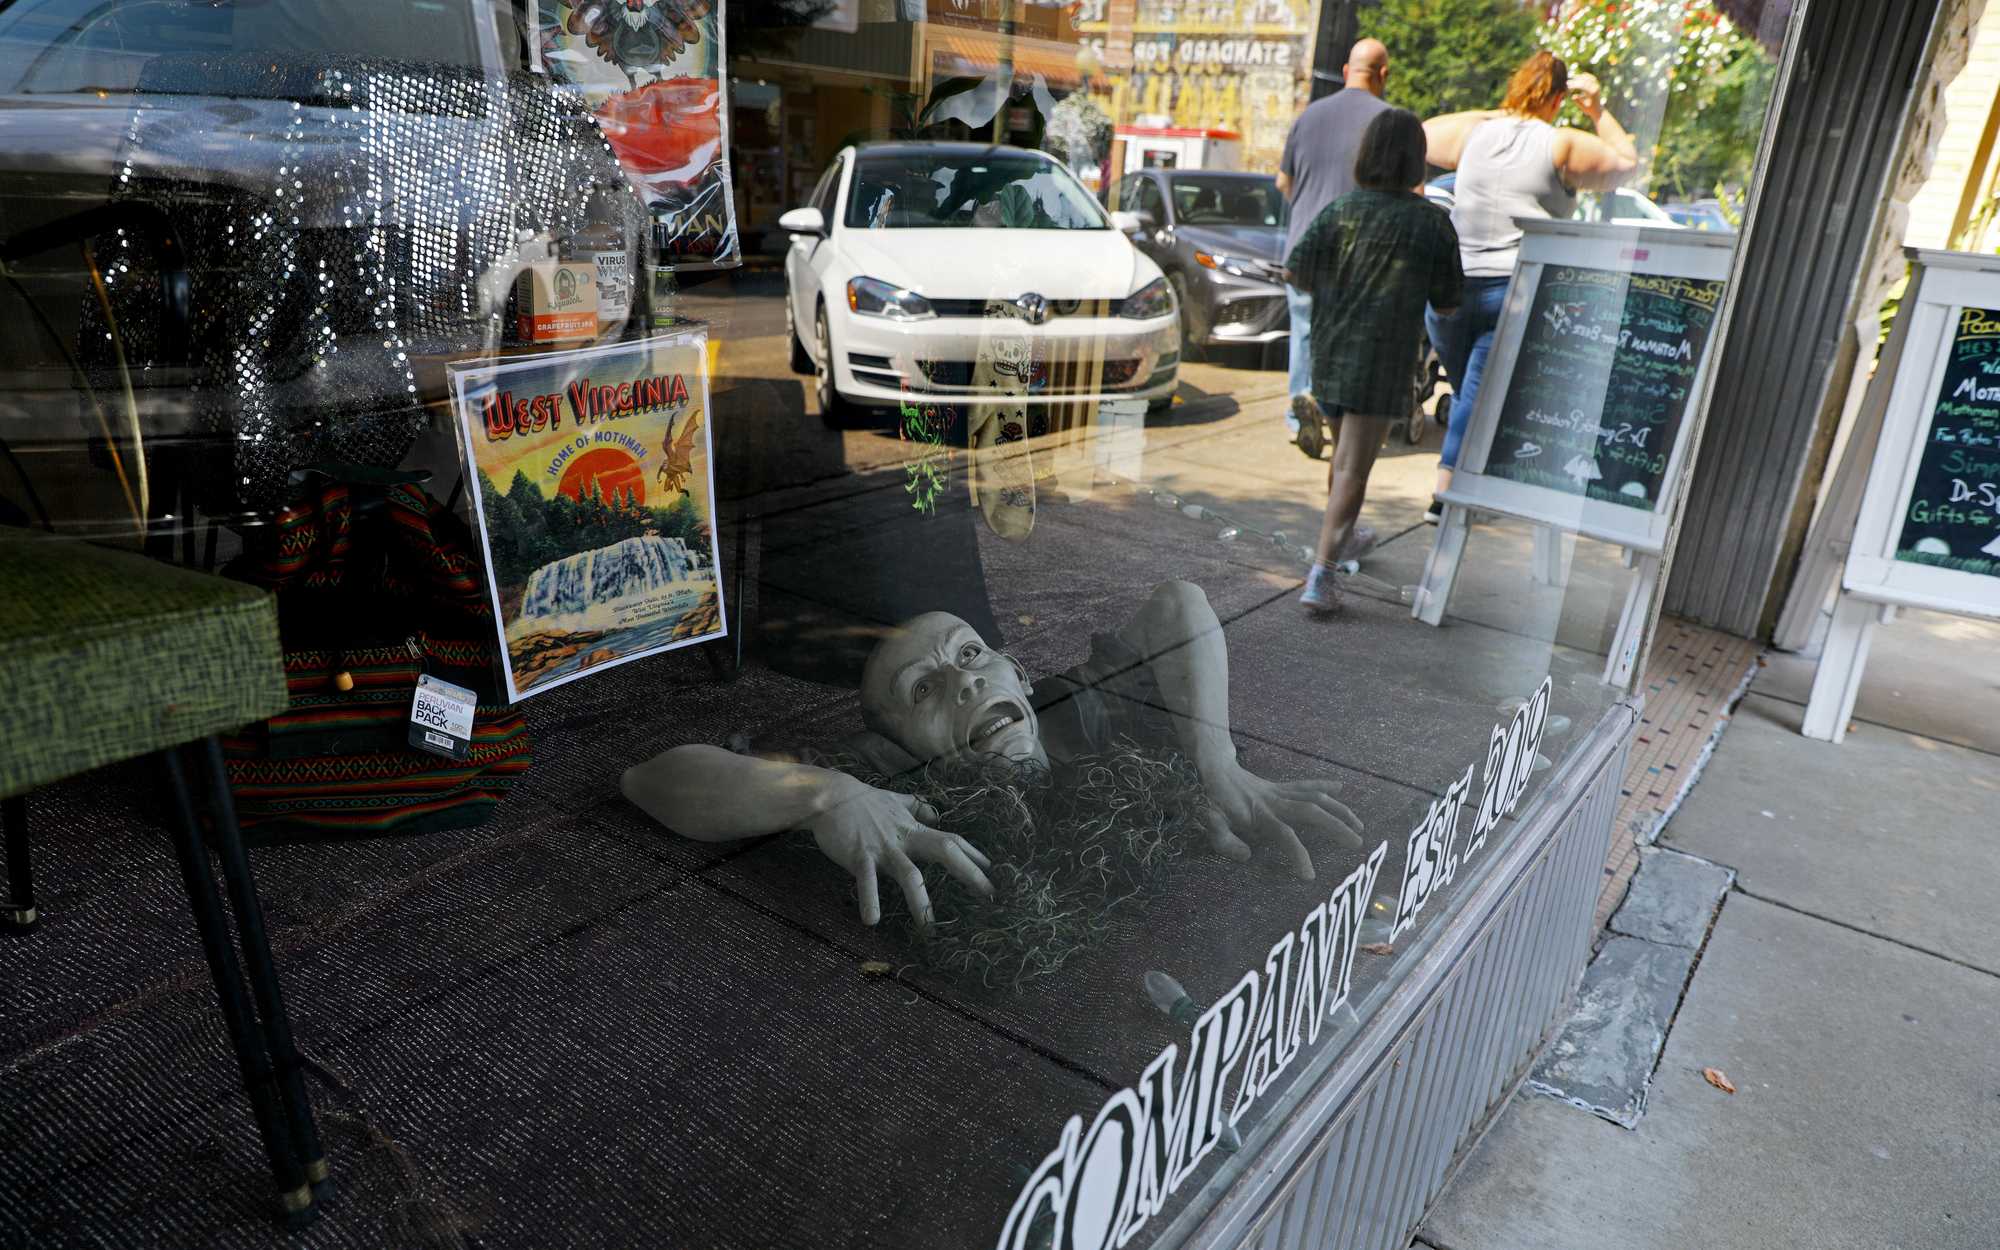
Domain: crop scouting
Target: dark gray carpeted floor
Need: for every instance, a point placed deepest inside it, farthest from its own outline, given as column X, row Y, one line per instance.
column 574, row 1028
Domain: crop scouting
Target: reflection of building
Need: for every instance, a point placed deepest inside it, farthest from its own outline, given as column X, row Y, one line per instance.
column 971, row 39
column 1230, row 65
column 867, row 72
column 793, row 108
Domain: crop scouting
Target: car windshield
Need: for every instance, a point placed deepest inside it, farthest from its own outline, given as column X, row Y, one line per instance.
column 262, row 49
column 920, row 191
column 1228, row 202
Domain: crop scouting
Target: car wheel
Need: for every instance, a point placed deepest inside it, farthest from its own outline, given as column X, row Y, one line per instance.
column 802, row 361
column 833, row 407
column 1192, row 329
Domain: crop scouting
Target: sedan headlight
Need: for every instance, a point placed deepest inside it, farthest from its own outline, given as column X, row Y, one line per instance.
column 1228, row 264
column 875, row 298
column 1155, row 299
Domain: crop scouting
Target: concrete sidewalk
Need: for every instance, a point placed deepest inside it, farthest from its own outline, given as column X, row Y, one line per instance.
column 1850, row 989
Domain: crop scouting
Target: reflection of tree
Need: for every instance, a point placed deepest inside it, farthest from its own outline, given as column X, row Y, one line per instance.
column 1712, row 78
column 1447, row 55
column 525, row 530
column 1078, row 132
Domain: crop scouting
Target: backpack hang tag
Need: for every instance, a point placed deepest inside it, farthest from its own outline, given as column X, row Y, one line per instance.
column 441, row 718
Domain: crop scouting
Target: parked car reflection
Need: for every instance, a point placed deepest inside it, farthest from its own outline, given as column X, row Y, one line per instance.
column 907, row 250
column 1220, row 239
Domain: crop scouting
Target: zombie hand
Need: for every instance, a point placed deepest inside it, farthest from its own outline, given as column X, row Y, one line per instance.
column 1246, row 811
column 869, row 831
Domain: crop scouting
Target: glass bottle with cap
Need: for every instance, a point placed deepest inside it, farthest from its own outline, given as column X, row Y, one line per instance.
column 602, row 243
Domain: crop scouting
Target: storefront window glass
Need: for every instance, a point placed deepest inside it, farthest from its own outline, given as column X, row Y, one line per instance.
column 859, row 434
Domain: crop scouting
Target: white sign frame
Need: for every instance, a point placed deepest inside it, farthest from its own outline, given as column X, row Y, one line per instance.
column 1873, row 583
column 1644, row 250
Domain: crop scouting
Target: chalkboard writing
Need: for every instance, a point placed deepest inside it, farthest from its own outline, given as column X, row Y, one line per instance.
column 1601, row 385
column 1952, row 517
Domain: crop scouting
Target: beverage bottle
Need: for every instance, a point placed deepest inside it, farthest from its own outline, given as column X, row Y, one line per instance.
column 602, row 243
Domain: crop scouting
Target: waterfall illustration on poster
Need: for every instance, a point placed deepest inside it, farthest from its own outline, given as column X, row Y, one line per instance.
column 592, row 481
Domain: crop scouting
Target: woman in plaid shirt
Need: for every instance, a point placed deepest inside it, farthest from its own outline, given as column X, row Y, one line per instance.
column 1372, row 259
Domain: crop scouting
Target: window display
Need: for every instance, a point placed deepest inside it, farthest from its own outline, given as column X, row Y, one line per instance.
column 944, row 825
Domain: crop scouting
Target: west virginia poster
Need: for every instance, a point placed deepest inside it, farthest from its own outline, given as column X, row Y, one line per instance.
column 594, row 494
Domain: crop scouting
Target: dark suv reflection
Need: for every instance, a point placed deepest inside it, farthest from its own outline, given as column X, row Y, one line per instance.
column 1220, row 239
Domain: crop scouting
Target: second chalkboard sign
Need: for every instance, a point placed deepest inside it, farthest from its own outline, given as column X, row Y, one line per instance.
column 1952, row 517
column 1599, row 391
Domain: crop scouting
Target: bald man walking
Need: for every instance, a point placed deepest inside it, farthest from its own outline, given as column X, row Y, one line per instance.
column 1317, row 169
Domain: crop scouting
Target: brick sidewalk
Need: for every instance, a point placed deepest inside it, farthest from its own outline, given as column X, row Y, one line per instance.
column 1694, row 676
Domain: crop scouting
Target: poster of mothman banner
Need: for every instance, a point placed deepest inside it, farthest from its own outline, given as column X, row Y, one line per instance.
column 652, row 72
column 595, row 501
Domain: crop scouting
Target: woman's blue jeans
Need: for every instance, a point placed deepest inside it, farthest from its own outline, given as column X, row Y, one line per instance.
column 1299, row 304
column 1462, row 341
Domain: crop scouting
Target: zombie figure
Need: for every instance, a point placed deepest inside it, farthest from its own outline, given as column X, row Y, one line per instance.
column 935, row 696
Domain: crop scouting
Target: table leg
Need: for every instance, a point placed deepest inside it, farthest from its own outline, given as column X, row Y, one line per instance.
column 246, row 1036
column 17, row 907
column 264, row 988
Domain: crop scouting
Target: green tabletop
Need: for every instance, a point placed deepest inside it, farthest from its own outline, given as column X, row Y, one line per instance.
column 105, row 655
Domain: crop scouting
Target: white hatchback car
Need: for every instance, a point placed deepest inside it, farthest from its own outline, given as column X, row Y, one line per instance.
column 909, row 250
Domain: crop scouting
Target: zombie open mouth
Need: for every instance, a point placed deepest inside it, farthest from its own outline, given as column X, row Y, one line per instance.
column 994, row 722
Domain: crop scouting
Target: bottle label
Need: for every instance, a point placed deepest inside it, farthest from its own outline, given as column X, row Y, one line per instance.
column 614, row 285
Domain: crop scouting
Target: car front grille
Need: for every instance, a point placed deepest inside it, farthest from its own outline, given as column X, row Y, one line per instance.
column 1004, row 307
column 1070, row 378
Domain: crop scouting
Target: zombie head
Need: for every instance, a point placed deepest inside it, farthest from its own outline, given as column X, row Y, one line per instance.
column 937, row 690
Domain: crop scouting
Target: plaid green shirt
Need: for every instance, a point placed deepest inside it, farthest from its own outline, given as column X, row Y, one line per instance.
column 1370, row 261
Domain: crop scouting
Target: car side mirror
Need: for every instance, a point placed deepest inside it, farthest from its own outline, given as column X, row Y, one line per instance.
column 1127, row 223
column 803, row 221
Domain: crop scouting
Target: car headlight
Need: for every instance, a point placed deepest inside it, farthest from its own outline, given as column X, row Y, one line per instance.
column 1155, row 299
column 1228, row 264
column 875, row 298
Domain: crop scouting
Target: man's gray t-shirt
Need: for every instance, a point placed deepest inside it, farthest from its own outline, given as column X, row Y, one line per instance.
column 1319, row 153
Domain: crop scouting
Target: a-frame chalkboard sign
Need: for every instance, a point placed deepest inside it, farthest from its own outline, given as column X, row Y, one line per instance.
column 1927, row 534
column 1581, row 419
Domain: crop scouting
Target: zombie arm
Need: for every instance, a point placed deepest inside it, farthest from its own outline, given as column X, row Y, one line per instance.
column 713, row 795
column 1182, row 639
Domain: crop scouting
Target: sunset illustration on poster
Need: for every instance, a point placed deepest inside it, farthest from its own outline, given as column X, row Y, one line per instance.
column 595, row 501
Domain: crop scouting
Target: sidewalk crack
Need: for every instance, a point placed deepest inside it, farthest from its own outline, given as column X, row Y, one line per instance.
column 1855, row 928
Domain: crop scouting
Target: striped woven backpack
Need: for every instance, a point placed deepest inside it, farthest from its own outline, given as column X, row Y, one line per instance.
column 376, row 587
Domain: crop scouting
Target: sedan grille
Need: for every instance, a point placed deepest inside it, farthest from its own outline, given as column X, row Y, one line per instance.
column 1057, row 307
column 1069, row 378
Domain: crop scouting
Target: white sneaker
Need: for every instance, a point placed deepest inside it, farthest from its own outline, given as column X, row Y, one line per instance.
column 1320, row 594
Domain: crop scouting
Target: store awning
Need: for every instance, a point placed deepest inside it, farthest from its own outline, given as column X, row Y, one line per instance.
column 975, row 53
